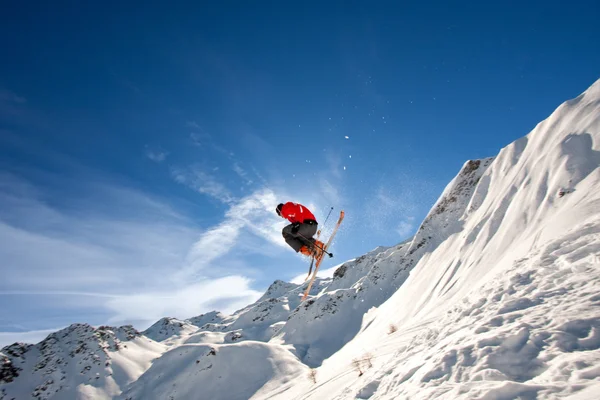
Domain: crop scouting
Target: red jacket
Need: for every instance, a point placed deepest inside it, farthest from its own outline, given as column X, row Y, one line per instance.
column 295, row 212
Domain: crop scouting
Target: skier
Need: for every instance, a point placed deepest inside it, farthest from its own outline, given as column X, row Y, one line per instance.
column 299, row 234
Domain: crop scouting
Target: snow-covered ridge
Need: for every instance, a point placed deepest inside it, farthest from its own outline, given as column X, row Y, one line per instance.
column 77, row 355
column 212, row 317
column 277, row 289
column 168, row 328
column 453, row 206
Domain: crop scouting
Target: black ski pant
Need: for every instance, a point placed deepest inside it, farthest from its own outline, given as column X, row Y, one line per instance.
column 304, row 237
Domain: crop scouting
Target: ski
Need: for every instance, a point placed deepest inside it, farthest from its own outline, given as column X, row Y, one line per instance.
column 318, row 264
column 312, row 259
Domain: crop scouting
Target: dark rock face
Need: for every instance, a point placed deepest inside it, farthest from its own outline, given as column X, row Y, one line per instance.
column 8, row 372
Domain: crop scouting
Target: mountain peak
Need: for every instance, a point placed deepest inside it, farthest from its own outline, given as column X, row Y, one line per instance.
column 77, row 353
column 277, row 289
column 167, row 327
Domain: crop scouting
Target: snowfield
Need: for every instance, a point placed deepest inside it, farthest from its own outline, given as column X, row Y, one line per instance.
column 497, row 296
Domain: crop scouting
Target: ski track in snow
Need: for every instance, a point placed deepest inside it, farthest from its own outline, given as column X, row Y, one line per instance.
column 497, row 296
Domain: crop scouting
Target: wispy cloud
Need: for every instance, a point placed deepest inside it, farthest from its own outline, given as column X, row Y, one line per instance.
column 86, row 245
column 242, row 173
column 225, row 294
column 406, row 227
column 56, row 293
column 251, row 215
column 203, row 182
column 11, row 104
column 89, row 252
column 257, row 214
column 156, row 155
column 259, row 176
column 211, row 149
column 214, row 243
column 6, row 96
column 192, row 124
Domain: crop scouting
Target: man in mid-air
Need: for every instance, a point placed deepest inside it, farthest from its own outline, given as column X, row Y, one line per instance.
column 299, row 234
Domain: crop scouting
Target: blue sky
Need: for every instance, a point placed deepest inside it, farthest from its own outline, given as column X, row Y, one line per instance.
column 144, row 147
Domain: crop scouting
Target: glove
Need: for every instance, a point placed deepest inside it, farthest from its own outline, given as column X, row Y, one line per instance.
column 295, row 227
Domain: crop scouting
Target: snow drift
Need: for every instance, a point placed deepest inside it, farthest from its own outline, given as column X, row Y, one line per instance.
column 495, row 297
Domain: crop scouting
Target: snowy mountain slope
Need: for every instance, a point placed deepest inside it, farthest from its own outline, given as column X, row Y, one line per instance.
column 351, row 272
column 531, row 331
column 76, row 362
column 260, row 320
column 506, row 305
column 228, row 372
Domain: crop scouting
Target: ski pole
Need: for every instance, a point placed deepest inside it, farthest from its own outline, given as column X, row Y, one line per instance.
column 330, row 210
column 319, row 231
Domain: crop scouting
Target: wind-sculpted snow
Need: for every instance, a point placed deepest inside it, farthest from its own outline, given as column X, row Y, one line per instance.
column 531, row 331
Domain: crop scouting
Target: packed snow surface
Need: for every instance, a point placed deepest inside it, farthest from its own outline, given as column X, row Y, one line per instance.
column 497, row 296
